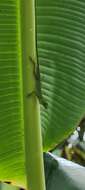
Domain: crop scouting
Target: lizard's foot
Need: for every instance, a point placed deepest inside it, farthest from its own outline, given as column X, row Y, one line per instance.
column 45, row 104
column 30, row 94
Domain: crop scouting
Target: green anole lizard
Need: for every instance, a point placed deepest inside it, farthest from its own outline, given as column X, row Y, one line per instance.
column 37, row 91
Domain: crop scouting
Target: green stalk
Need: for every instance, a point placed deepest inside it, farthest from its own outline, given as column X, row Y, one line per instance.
column 32, row 125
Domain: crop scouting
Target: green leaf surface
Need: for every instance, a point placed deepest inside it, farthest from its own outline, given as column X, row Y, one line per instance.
column 62, row 174
column 4, row 186
column 11, row 117
column 61, row 49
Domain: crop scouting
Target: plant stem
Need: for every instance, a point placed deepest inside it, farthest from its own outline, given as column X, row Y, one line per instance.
column 32, row 125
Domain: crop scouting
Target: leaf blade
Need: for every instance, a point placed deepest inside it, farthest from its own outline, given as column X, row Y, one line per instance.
column 61, row 54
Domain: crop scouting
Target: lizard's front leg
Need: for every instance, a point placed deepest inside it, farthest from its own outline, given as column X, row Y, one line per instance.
column 41, row 100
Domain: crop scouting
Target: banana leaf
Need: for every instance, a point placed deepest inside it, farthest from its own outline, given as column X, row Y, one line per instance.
column 61, row 44
column 63, row 174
